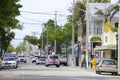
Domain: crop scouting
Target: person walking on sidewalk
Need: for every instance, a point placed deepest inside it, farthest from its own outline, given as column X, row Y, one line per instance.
column 94, row 62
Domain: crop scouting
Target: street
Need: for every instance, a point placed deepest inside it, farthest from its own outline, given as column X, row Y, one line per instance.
column 31, row 71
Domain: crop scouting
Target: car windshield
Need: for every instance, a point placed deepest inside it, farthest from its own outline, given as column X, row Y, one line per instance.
column 9, row 55
column 9, row 59
column 42, row 57
column 62, row 57
column 54, row 57
column 21, row 56
column 109, row 62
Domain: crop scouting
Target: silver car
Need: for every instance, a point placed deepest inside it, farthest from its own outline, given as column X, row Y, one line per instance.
column 107, row 66
column 40, row 60
column 9, row 62
column 63, row 60
column 21, row 58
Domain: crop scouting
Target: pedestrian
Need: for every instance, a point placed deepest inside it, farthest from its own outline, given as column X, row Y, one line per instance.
column 90, row 62
column 94, row 62
column 83, row 63
column 53, row 53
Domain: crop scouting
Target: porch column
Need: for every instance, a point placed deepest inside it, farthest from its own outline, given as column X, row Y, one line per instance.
column 119, row 54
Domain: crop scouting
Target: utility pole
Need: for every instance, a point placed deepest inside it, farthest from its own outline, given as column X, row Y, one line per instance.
column 42, row 37
column 87, row 31
column 47, row 42
column 34, row 33
column 55, row 31
column 73, row 57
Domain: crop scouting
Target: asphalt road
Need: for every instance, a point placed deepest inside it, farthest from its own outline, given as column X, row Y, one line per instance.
column 30, row 71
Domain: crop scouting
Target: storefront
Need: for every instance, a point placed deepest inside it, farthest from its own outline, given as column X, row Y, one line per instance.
column 107, row 51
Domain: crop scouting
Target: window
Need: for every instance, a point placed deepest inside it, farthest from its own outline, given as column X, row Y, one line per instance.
column 116, row 24
column 109, row 62
column 97, row 29
column 106, row 39
column 54, row 57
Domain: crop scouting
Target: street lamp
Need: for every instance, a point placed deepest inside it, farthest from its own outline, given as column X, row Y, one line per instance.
column 117, row 36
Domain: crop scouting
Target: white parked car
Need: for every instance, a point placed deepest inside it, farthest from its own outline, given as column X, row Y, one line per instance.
column 63, row 60
column 22, row 58
column 107, row 66
column 34, row 59
column 9, row 62
column 41, row 60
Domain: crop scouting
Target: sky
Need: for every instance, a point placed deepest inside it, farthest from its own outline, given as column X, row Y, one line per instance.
column 32, row 23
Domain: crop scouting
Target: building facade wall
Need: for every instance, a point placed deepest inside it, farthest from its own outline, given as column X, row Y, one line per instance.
column 107, row 54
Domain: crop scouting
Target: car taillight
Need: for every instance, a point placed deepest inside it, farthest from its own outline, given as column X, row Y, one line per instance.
column 101, row 65
column 116, row 66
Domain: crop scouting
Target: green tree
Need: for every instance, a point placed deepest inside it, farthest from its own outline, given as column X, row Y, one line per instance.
column 31, row 39
column 20, row 48
column 10, row 49
column 6, row 37
column 9, row 10
column 67, row 34
column 62, row 34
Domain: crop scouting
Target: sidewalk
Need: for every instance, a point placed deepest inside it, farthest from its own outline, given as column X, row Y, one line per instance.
column 83, row 68
column 88, row 69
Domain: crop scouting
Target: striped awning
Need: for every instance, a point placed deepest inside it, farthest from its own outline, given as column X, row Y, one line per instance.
column 106, row 47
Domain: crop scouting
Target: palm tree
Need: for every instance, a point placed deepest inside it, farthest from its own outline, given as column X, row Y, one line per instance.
column 109, row 13
column 102, row 13
column 79, row 12
column 113, row 10
column 100, row 1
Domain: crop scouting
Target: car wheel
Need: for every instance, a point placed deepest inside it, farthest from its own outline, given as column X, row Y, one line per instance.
column 36, row 63
column 99, row 72
column 46, row 65
column 116, row 73
column 96, row 72
column 57, row 65
column 112, row 73
column 16, row 67
column 25, row 62
column 65, row 64
column 0, row 68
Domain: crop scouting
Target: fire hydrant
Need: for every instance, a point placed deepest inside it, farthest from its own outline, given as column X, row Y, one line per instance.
column 94, row 61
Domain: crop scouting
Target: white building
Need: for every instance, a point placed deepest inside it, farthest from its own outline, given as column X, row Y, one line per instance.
column 105, row 47
column 107, row 43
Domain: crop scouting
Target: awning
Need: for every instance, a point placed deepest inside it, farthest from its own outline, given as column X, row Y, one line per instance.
column 106, row 47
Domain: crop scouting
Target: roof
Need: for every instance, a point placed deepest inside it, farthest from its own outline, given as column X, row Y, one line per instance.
column 106, row 47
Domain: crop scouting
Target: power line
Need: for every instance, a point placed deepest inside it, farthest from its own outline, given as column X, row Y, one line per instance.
column 31, row 19
column 17, row 39
column 44, row 13
column 30, row 23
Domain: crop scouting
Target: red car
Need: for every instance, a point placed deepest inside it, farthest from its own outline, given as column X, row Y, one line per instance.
column 52, row 60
